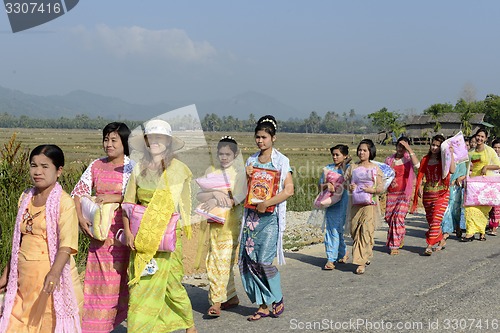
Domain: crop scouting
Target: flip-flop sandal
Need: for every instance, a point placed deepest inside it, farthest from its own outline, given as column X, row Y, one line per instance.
column 428, row 252
column 329, row 266
column 441, row 245
column 260, row 314
column 482, row 238
column 275, row 312
column 466, row 239
column 360, row 270
column 213, row 312
column 492, row 233
column 344, row 259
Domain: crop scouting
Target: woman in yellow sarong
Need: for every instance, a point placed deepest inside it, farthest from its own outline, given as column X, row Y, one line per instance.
column 158, row 300
column 484, row 161
column 44, row 293
column 223, row 242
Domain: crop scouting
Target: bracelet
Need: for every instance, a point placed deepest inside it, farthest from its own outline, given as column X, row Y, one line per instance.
column 412, row 154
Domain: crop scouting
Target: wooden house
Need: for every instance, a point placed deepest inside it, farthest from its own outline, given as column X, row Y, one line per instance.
column 420, row 129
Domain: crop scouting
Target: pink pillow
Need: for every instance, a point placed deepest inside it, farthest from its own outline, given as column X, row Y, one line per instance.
column 460, row 152
column 482, row 191
column 214, row 181
column 326, row 198
column 363, row 178
column 135, row 213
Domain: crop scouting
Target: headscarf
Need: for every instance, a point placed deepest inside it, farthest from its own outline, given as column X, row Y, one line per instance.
column 65, row 304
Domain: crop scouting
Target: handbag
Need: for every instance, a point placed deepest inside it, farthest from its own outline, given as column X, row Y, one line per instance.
column 135, row 213
column 482, row 191
column 99, row 216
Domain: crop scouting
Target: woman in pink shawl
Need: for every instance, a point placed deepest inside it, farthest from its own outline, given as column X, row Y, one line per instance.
column 399, row 193
column 44, row 293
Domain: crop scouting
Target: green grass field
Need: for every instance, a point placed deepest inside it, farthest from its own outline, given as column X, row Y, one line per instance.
column 308, row 153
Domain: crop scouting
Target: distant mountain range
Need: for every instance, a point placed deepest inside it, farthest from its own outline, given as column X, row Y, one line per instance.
column 93, row 105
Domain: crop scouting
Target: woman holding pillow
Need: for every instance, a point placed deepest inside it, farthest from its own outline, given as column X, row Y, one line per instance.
column 484, row 160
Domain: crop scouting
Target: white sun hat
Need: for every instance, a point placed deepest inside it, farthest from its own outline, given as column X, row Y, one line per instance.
column 155, row 126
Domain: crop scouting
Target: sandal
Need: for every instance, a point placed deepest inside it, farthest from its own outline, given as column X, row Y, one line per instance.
column 329, row 266
column 213, row 311
column 428, row 252
column 260, row 315
column 394, row 252
column 442, row 244
column 278, row 308
column 492, row 232
column 467, row 239
column 360, row 270
column 344, row 259
column 482, row 237
column 402, row 244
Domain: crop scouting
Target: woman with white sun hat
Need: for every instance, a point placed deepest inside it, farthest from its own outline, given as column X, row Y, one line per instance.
column 158, row 300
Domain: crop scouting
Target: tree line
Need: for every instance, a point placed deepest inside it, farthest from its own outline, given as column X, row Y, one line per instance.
column 382, row 120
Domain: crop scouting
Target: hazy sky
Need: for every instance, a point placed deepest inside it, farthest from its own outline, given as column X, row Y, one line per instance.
column 320, row 55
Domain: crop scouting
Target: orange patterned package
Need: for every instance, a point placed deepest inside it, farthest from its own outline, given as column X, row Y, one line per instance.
column 262, row 186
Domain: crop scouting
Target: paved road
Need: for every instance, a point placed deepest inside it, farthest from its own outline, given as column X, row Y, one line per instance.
column 455, row 290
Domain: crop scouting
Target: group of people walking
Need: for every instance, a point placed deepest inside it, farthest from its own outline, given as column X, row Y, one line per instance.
column 132, row 275
column 442, row 197
column 128, row 274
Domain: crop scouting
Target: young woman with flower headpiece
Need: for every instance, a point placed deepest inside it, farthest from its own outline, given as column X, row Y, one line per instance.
column 161, row 183
column 44, row 293
column 223, row 236
column 262, row 232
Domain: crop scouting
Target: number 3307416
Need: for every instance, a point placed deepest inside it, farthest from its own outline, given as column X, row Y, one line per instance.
column 32, row 8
